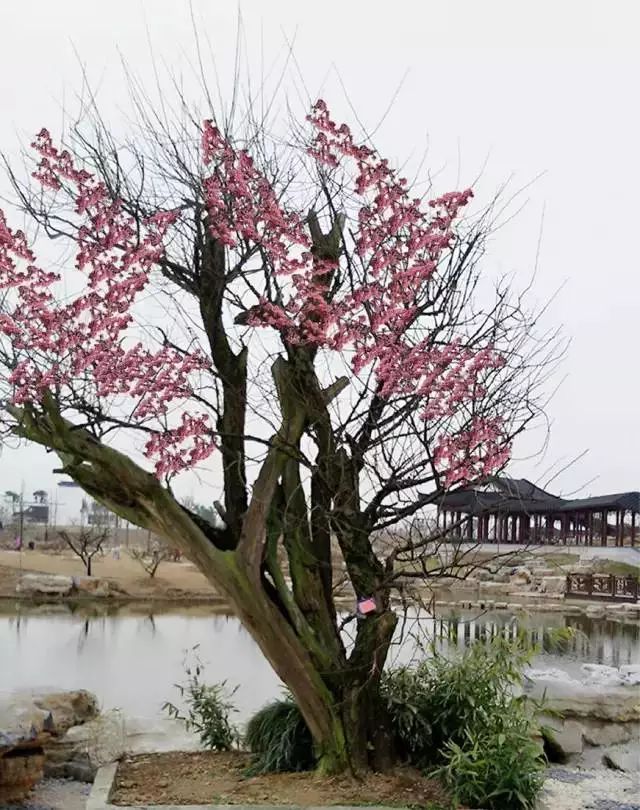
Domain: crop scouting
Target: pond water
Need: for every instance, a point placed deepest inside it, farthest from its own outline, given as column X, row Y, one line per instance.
column 132, row 658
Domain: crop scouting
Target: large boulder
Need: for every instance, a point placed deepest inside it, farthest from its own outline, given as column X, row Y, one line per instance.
column 28, row 720
column 521, row 576
column 553, row 584
column 29, row 713
column 616, row 702
column 589, row 719
column 623, row 758
column 44, row 585
column 85, row 748
column 98, row 586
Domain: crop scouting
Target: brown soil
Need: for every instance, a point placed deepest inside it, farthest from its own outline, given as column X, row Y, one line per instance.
column 211, row 778
column 172, row 581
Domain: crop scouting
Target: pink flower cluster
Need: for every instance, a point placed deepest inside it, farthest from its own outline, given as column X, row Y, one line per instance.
column 477, row 451
column 399, row 244
column 59, row 343
column 173, row 454
column 396, row 243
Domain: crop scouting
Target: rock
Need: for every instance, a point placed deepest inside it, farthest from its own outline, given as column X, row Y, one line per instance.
column 24, row 715
column 600, row 674
column 493, row 587
column 553, row 584
column 623, row 758
column 631, row 674
column 28, row 720
column 98, row 586
column 20, row 769
column 602, row 734
column 85, row 748
column 576, row 699
column 567, row 735
column 44, row 585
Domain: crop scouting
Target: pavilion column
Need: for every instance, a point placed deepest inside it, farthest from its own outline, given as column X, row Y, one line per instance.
column 633, row 527
column 470, row 527
column 514, row 528
column 619, row 526
column 605, row 528
column 590, row 528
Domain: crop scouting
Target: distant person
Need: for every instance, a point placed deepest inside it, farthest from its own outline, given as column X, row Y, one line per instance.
column 18, row 543
column 31, row 545
column 116, row 552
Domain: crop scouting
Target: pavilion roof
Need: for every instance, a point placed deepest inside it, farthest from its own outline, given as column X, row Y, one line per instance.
column 518, row 495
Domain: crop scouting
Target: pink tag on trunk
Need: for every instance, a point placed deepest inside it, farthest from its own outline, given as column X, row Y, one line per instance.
column 366, row 606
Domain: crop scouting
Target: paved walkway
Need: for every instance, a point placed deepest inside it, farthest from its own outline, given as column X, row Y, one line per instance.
column 626, row 555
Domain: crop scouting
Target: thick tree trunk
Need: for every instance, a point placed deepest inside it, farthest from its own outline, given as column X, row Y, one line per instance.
column 338, row 698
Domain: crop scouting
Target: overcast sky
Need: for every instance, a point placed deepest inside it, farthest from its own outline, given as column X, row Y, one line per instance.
column 545, row 89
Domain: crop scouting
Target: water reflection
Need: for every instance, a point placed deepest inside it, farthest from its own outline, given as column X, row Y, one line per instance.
column 131, row 657
column 598, row 641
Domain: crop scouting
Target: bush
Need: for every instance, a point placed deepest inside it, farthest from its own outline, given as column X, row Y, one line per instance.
column 442, row 699
column 208, row 708
column 461, row 715
column 279, row 739
column 498, row 767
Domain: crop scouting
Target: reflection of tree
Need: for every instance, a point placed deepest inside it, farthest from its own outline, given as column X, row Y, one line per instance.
column 84, row 634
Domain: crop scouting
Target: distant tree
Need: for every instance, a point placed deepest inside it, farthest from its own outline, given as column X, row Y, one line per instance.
column 40, row 496
column 150, row 560
column 85, row 543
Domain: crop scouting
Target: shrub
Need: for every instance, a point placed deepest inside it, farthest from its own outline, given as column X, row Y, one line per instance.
column 498, row 767
column 461, row 714
column 208, row 708
column 279, row 739
column 442, row 699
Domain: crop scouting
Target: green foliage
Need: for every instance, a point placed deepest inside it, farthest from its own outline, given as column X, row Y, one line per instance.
column 279, row 739
column 439, row 700
column 208, row 708
column 461, row 715
column 498, row 766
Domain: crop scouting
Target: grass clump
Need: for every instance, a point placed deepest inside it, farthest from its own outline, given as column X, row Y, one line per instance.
column 279, row 739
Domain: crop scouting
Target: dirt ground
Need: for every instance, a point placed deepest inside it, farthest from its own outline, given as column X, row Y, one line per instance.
column 206, row 777
column 172, row 580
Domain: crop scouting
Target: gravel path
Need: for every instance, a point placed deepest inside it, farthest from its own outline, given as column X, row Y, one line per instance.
column 590, row 790
column 55, row 794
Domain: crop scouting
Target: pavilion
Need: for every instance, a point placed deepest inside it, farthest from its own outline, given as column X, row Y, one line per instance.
column 508, row 510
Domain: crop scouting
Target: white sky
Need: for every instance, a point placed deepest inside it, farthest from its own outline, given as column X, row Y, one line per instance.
column 537, row 87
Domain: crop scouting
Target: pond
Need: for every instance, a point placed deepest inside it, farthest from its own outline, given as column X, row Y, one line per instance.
column 131, row 658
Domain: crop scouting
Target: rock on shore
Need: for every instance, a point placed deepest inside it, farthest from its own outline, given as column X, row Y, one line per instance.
column 28, row 721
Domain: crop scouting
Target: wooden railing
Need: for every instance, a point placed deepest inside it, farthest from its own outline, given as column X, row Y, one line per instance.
column 603, row 586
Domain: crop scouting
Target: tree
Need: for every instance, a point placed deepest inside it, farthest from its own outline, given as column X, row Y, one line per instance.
column 327, row 339
column 85, row 543
column 150, row 560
